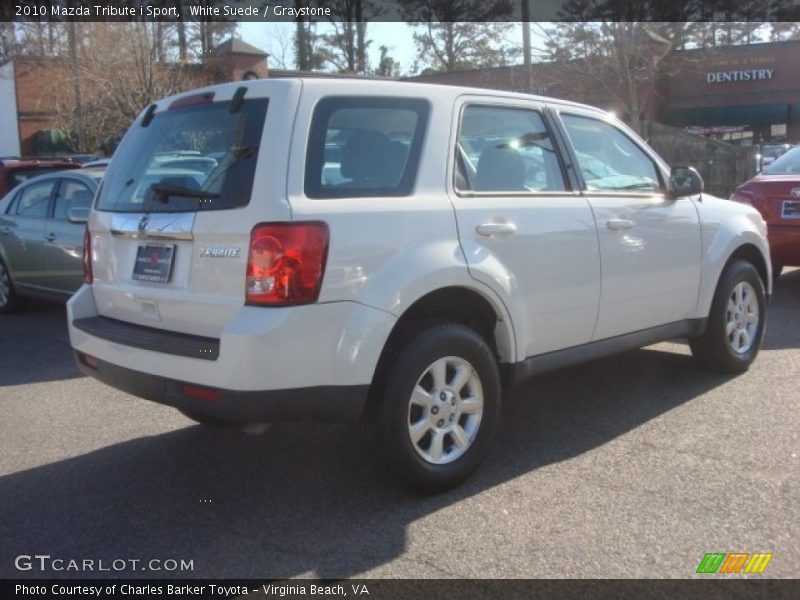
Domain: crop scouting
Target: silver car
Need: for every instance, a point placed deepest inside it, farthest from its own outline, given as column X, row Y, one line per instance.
column 42, row 224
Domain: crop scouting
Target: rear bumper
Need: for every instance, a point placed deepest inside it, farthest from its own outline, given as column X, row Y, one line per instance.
column 784, row 244
column 321, row 403
column 305, row 363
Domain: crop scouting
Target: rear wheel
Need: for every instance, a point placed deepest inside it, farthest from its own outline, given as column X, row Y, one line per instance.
column 736, row 322
column 440, row 407
column 9, row 300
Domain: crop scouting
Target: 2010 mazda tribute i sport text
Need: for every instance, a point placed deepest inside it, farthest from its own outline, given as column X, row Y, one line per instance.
column 340, row 249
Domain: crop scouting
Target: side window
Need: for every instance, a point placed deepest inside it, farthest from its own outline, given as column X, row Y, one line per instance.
column 505, row 150
column 609, row 159
column 72, row 194
column 360, row 147
column 34, row 200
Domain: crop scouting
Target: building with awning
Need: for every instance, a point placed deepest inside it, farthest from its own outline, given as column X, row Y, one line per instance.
column 745, row 95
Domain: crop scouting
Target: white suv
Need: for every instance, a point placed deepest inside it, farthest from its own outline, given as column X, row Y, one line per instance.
column 336, row 249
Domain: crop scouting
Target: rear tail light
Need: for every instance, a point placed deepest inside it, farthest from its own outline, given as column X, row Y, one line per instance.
column 87, row 257
column 286, row 263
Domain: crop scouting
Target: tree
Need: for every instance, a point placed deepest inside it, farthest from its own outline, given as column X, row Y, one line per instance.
column 782, row 31
column 620, row 59
column 279, row 46
column 387, row 66
column 8, row 40
column 307, row 54
column 112, row 73
column 459, row 34
column 346, row 46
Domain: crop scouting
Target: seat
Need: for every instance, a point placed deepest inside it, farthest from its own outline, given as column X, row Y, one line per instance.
column 500, row 169
column 81, row 199
column 370, row 159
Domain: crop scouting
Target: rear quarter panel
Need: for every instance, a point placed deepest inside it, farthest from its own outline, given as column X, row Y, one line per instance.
column 388, row 252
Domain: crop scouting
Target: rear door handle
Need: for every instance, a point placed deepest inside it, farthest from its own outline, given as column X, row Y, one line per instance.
column 6, row 230
column 620, row 223
column 50, row 237
column 490, row 229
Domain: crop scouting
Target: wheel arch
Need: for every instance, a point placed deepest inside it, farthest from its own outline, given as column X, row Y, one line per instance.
column 750, row 253
column 456, row 304
column 727, row 246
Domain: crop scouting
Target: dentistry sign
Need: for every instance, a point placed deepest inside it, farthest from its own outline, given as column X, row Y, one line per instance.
column 740, row 75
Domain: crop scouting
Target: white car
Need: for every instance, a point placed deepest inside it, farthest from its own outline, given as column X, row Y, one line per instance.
column 398, row 252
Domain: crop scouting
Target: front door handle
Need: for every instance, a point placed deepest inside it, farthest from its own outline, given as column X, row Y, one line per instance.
column 6, row 230
column 490, row 229
column 620, row 223
column 50, row 237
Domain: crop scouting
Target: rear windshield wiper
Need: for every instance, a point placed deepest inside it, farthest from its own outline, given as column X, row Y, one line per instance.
column 166, row 191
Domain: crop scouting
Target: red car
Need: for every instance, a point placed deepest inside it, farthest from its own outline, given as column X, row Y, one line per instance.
column 14, row 171
column 775, row 192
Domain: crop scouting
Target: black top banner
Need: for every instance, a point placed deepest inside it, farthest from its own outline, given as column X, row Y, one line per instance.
column 402, row 10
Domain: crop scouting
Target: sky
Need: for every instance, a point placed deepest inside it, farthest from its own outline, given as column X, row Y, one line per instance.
column 268, row 37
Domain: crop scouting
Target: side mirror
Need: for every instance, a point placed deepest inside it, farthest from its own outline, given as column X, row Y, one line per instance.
column 684, row 181
column 78, row 214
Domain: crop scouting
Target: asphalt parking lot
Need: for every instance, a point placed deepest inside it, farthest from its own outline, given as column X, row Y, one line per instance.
column 633, row 466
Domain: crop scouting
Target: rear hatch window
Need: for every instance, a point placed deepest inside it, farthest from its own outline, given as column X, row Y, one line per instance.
column 195, row 157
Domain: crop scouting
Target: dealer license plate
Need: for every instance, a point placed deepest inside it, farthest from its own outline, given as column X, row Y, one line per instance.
column 153, row 263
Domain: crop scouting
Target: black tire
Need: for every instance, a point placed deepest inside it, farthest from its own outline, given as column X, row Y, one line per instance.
column 776, row 271
column 458, row 346
column 713, row 349
column 207, row 420
column 9, row 299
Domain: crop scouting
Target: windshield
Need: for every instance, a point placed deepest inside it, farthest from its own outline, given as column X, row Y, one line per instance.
column 788, row 164
column 199, row 157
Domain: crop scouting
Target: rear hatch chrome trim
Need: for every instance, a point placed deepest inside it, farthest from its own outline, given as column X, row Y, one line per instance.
column 158, row 226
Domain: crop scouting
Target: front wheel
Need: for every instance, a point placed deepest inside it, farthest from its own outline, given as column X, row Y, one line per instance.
column 440, row 407
column 736, row 322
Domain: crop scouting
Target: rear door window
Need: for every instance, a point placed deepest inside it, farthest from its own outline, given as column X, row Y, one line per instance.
column 361, row 147
column 505, row 150
column 34, row 200
column 192, row 157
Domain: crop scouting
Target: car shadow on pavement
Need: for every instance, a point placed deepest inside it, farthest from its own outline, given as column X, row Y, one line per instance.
column 33, row 345
column 784, row 308
column 309, row 499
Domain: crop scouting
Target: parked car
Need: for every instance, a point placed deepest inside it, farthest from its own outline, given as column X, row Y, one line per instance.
column 768, row 153
column 42, row 225
column 14, row 171
column 82, row 159
column 386, row 279
column 95, row 164
column 775, row 192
